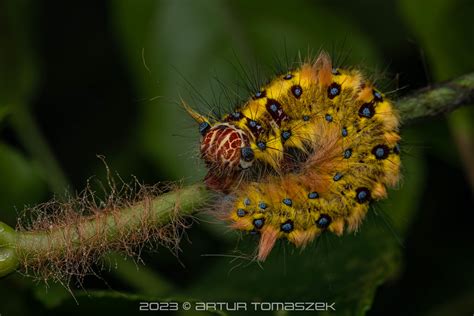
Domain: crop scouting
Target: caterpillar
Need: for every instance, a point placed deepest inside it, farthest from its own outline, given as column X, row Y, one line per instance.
column 306, row 153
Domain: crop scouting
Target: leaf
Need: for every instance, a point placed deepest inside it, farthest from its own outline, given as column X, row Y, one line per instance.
column 142, row 278
column 20, row 183
column 52, row 295
column 445, row 32
column 18, row 81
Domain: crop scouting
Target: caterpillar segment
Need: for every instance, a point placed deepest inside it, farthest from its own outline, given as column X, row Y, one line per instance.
column 330, row 140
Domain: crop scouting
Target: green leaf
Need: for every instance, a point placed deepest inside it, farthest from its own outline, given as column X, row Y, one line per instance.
column 18, row 80
column 143, row 279
column 51, row 295
column 445, row 32
column 20, row 183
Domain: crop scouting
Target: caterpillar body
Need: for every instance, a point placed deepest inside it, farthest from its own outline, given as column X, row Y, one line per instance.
column 306, row 153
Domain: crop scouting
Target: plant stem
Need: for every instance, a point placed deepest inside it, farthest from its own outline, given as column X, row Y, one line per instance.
column 34, row 244
column 438, row 99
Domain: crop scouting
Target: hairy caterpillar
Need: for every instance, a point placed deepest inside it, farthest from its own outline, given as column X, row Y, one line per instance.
column 306, row 153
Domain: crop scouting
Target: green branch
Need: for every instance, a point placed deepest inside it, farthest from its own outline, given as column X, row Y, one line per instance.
column 16, row 247
column 440, row 98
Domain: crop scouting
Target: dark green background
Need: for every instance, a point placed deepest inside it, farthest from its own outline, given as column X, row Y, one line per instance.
column 97, row 77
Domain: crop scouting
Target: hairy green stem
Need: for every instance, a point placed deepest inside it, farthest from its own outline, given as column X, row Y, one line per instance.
column 32, row 244
column 440, row 98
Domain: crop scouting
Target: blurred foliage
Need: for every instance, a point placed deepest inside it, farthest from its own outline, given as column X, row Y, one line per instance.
column 20, row 182
column 107, row 77
column 443, row 30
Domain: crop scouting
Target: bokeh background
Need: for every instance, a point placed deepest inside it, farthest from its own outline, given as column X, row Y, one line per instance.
column 78, row 79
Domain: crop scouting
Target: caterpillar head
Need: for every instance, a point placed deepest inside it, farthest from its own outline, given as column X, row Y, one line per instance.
column 224, row 148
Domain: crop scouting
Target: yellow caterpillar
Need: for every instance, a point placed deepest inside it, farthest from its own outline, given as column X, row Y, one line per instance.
column 306, row 153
